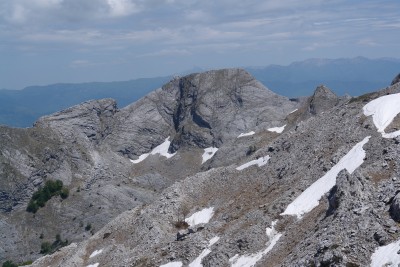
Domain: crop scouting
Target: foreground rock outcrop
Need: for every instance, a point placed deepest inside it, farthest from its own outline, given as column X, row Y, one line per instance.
column 159, row 201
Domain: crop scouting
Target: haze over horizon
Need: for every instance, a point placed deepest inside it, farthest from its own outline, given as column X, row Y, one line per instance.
column 52, row 41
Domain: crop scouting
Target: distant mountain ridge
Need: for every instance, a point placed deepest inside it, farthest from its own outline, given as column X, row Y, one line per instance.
column 354, row 76
column 21, row 108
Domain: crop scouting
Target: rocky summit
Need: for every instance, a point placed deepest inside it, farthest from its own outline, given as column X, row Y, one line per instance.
column 212, row 169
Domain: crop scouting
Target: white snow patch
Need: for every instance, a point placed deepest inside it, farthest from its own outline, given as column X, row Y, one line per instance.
column 277, row 129
column 160, row 149
column 204, row 253
column 173, row 264
column 95, row 253
column 383, row 110
column 293, row 111
column 246, row 134
column 386, row 255
column 309, row 199
column 140, row 159
column 209, row 152
column 93, row 265
column 391, row 135
column 251, row 260
column 260, row 162
column 203, row 216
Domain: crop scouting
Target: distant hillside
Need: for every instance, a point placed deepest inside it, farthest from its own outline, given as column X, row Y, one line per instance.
column 21, row 108
column 354, row 76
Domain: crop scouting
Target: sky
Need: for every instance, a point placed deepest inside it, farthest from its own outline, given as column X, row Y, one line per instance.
column 50, row 41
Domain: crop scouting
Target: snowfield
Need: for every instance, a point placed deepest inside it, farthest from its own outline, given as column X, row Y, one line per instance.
column 383, row 110
column 251, row 260
column 160, row 149
column 260, row 162
column 309, row 199
column 277, row 129
column 203, row 216
column 95, row 253
column 209, row 152
column 246, row 134
column 172, row 264
column 386, row 255
column 204, row 253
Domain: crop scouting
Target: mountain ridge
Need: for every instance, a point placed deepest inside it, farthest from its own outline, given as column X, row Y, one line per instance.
column 254, row 154
column 20, row 108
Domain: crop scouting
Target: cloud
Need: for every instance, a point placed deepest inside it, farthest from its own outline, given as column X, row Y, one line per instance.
column 121, row 8
column 167, row 52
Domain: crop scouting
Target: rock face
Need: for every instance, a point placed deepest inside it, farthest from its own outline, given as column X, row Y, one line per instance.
column 237, row 215
column 89, row 147
column 396, row 79
column 323, row 99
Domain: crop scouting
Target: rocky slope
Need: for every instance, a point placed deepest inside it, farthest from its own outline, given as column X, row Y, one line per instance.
column 96, row 150
column 309, row 183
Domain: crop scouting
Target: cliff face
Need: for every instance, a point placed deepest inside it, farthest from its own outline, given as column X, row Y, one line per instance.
column 91, row 148
column 259, row 180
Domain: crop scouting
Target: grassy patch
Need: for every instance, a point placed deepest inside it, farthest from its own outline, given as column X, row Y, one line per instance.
column 45, row 193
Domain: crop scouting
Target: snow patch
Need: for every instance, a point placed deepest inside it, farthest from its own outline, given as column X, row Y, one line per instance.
column 203, row 216
column 260, row 162
column 383, row 110
column 173, row 264
column 309, row 199
column 277, row 129
column 251, row 260
column 160, row 149
column 246, row 134
column 204, row 253
column 95, row 253
column 293, row 111
column 93, row 265
column 209, row 152
column 386, row 255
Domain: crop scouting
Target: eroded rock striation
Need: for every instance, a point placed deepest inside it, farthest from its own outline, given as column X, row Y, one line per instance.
column 172, row 208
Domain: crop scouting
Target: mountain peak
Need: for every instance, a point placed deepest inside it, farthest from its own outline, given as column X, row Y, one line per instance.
column 396, row 79
column 322, row 99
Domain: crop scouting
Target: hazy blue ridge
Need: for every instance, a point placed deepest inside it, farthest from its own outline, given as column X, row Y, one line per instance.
column 21, row 108
column 344, row 76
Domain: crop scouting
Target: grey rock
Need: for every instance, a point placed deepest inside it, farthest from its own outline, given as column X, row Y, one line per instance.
column 396, row 79
column 395, row 208
column 323, row 99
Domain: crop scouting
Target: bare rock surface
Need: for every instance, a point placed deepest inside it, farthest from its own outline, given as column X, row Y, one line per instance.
column 138, row 211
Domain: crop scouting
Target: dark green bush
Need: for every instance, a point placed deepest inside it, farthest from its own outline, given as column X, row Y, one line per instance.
column 64, row 193
column 9, row 264
column 45, row 248
column 45, row 193
column 48, row 248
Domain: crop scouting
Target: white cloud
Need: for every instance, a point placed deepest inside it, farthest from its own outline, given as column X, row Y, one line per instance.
column 167, row 52
column 121, row 8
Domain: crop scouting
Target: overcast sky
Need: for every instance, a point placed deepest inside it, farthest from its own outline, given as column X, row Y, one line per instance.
column 49, row 41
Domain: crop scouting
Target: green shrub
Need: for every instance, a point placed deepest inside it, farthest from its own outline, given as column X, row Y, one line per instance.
column 26, row 263
column 45, row 248
column 45, row 193
column 64, row 193
column 48, row 248
column 9, row 264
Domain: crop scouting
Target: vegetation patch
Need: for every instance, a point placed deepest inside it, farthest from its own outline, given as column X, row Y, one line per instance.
column 48, row 248
column 45, row 193
column 12, row 264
